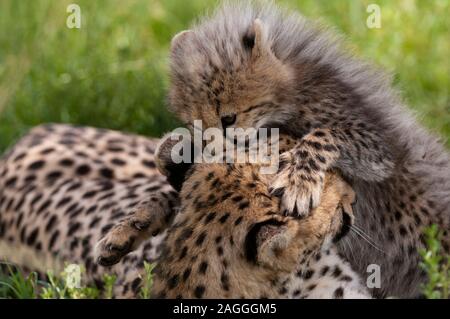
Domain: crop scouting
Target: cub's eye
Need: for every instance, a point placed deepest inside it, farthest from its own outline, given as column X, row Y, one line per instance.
column 228, row 120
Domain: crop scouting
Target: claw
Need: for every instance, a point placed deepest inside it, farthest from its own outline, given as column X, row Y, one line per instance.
column 107, row 261
column 141, row 225
column 277, row 192
column 295, row 212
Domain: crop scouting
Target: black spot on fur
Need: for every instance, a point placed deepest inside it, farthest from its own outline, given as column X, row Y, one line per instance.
column 337, row 272
column 83, row 169
column 199, row 291
column 224, row 218
column 91, row 209
column 54, row 175
column 63, row 201
column 238, row 220
column 71, row 208
column 185, row 234
column 11, row 182
column 209, row 176
column 324, row 270
column 186, row 273
column 136, row 284
column 44, row 206
column 32, row 237
column 107, row 173
column 36, row 165
column 308, row 274
column 173, row 281
column 338, row 293
column 94, row 222
column 89, row 194
column 51, row 222
column 115, row 149
column 74, row 186
column 346, row 278
column 225, row 281
column 209, row 218
column 237, row 198
column 296, row 293
column 244, row 205
column 73, row 228
column 19, row 157
column 149, row 164
column 200, row 239
column 66, row 162
column 53, row 239
column 183, row 253
column 203, row 267
column 30, row 178
column 403, row 231
column 118, row 162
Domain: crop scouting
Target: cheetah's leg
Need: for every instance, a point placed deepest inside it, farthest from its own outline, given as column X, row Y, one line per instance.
column 300, row 178
column 150, row 218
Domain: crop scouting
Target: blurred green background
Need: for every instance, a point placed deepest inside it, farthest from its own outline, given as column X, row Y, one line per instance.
column 113, row 71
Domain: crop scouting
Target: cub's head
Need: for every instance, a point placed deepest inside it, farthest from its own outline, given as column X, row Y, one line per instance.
column 229, row 240
column 226, row 72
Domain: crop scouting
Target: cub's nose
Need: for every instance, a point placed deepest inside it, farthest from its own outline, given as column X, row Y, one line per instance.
column 228, row 120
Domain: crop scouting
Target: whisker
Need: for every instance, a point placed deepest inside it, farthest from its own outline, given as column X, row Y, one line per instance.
column 363, row 232
column 367, row 240
column 347, row 243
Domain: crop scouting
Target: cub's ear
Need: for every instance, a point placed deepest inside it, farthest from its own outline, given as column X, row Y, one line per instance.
column 174, row 156
column 256, row 39
column 179, row 39
column 272, row 243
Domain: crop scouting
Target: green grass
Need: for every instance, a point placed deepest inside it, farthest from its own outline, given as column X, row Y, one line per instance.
column 113, row 71
column 17, row 284
column 436, row 265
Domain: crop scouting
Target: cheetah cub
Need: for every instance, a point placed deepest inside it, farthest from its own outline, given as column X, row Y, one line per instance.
column 254, row 66
column 229, row 240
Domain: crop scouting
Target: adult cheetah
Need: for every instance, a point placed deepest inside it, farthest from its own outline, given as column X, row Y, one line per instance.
column 63, row 187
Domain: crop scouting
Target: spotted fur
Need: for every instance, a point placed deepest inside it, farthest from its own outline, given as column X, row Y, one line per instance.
column 63, row 187
column 229, row 240
column 56, row 202
column 229, row 227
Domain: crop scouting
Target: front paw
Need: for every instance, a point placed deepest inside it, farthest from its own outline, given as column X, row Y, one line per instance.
column 117, row 243
column 150, row 218
column 299, row 187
